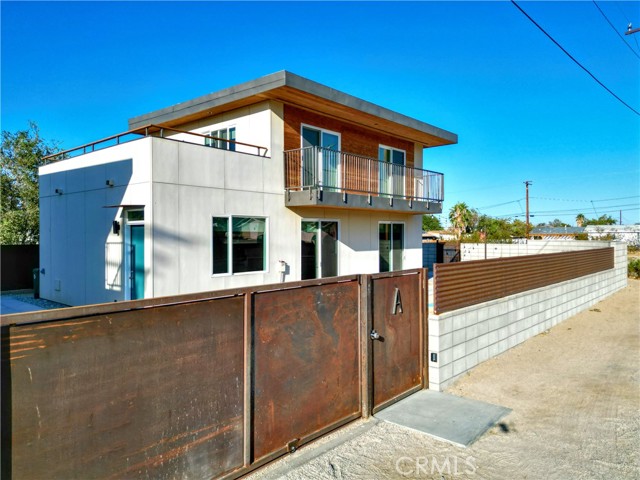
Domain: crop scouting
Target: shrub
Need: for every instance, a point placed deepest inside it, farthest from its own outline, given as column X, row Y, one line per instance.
column 633, row 269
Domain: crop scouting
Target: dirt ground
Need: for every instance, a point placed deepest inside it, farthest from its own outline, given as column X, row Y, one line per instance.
column 575, row 395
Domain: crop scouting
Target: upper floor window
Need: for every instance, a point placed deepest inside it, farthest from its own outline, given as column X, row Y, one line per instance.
column 221, row 138
column 391, row 155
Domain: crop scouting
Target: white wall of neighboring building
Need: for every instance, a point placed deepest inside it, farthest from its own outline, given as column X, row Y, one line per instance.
column 629, row 234
column 476, row 251
column 80, row 255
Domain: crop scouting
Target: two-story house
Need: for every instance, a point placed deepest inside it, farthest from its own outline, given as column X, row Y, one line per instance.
column 273, row 180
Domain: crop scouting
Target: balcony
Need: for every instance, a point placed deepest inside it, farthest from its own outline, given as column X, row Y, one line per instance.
column 321, row 177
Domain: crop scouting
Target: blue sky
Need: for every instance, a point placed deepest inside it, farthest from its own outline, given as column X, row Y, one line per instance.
column 522, row 109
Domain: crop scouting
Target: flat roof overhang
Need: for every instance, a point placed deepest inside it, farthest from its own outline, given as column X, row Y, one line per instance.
column 292, row 89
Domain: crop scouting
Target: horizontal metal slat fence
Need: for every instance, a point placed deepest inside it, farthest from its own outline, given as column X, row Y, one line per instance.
column 458, row 285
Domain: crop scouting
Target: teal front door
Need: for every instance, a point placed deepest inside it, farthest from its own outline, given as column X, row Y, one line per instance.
column 136, row 262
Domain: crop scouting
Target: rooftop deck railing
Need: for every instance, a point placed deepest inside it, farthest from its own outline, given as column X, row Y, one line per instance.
column 155, row 131
column 326, row 169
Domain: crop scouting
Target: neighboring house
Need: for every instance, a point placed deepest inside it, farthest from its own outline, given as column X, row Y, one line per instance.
column 278, row 179
column 629, row 234
column 556, row 233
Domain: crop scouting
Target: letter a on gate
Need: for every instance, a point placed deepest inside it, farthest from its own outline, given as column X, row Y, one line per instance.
column 397, row 302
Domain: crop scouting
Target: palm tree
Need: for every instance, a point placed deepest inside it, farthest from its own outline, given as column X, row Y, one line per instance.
column 580, row 219
column 461, row 217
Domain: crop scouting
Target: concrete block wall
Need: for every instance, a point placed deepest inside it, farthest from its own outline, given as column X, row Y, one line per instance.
column 476, row 251
column 464, row 338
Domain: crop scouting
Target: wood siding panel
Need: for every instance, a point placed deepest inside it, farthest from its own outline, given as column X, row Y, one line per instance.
column 354, row 139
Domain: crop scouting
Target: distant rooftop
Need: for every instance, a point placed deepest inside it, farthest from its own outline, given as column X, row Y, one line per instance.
column 557, row 230
column 299, row 91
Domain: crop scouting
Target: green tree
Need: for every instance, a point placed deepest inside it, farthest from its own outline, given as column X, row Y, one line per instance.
column 580, row 219
column 601, row 220
column 558, row 223
column 463, row 219
column 429, row 222
column 22, row 154
column 519, row 228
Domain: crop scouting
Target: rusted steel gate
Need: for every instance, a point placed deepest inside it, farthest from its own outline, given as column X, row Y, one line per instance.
column 399, row 334
column 458, row 285
column 207, row 385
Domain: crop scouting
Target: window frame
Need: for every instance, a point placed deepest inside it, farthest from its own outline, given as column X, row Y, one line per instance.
column 404, row 236
column 321, row 130
column 389, row 180
column 319, row 221
column 392, row 149
column 214, row 132
column 230, row 244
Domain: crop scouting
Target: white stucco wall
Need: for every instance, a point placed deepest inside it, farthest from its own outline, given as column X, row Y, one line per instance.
column 182, row 186
column 252, row 123
column 79, row 253
column 192, row 184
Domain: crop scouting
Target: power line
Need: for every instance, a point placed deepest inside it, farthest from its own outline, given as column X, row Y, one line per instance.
column 585, row 201
column 535, row 215
column 573, row 210
column 499, row 204
column 575, row 61
column 614, row 29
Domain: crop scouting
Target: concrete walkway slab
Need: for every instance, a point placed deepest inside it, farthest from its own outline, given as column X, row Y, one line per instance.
column 9, row 305
column 458, row 420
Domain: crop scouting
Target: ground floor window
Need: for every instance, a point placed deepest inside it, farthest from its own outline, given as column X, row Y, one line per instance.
column 391, row 246
column 238, row 245
column 319, row 249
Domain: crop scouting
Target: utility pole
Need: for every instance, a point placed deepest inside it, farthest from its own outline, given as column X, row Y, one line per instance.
column 631, row 30
column 620, row 218
column 527, row 183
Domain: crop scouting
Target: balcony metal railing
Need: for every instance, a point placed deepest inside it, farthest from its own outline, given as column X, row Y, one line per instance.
column 154, row 131
column 332, row 170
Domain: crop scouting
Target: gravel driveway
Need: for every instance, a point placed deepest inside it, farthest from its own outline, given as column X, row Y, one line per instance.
column 575, row 395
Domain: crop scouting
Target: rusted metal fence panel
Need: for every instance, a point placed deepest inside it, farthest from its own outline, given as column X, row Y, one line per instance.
column 143, row 393
column 305, row 366
column 207, row 385
column 399, row 335
column 458, row 285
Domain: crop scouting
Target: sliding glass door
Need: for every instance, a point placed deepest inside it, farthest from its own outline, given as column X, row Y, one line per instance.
column 319, row 249
column 321, row 165
column 391, row 246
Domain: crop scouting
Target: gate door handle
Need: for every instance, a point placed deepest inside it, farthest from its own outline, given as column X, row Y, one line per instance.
column 374, row 335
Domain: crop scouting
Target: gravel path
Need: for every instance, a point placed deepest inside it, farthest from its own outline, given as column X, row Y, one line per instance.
column 26, row 296
column 575, row 395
